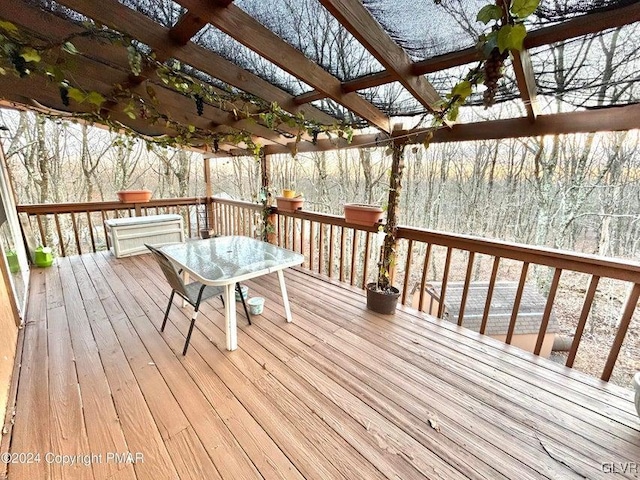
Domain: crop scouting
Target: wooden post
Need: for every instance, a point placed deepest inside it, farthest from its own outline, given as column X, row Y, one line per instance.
column 208, row 194
column 268, row 219
column 386, row 273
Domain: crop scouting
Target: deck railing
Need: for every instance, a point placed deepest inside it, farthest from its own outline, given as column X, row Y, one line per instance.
column 75, row 228
column 349, row 253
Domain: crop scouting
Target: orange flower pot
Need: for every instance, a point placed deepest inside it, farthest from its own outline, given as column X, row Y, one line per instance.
column 134, row 196
column 362, row 214
column 289, row 204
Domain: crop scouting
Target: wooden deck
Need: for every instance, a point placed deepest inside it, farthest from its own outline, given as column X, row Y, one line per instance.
column 340, row 393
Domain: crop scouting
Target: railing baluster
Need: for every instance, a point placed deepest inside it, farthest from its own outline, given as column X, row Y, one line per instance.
column 445, row 280
column 516, row 303
column 228, row 225
column 295, row 233
column 331, row 239
column 75, row 232
column 321, row 248
column 286, row 232
column 302, row 236
column 311, row 242
column 235, row 229
column 629, row 308
column 343, row 243
column 547, row 310
column 423, row 280
column 227, row 220
column 465, row 289
column 487, row 303
column 60, row 239
column 221, row 220
column 90, row 226
column 365, row 265
column 279, row 229
column 407, row 275
column 189, row 229
column 43, row 237
column 211, row 223
column 354, row 253
column 104, row 227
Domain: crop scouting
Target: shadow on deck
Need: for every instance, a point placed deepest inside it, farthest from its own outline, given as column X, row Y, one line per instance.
column 340, row 393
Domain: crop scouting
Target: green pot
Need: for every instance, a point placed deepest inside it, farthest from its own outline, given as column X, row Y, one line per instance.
column 44, row 257
column 12, row 260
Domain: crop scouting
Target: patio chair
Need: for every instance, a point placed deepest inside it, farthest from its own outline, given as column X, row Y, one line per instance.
column 194, row 292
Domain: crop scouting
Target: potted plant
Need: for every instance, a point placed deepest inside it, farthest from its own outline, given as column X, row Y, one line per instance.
column 362, row 214
column 288, row 193
column 289, row 203
column 382, row 296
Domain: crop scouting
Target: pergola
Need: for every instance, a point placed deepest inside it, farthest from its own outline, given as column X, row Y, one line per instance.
column 327, row 98
column 343, row 391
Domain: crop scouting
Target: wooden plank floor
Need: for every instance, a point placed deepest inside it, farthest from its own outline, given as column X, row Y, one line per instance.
column 340, row 393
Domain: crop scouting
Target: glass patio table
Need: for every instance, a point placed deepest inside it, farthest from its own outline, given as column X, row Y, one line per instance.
column 224, row 261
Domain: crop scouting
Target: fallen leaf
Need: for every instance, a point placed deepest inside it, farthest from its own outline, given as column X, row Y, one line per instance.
column 433, row 422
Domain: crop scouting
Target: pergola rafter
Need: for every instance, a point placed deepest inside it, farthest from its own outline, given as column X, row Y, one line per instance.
column 360, row 23
column 523, row 69
column 234, row 22
column 525, row 79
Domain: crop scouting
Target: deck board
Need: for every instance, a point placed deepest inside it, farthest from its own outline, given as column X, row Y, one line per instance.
column 339, row 393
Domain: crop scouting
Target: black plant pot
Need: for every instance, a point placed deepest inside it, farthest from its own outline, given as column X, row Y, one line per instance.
column 382, row 301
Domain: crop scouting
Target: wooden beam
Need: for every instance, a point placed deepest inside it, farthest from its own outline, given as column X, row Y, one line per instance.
column 186, row 28
column 584, row 25
column 576, row 27
column 525, row 79
column 26, row 90
column 190, row 24
column 248, row 31
column 598, row 120
column 139, row 26
column 353, row 15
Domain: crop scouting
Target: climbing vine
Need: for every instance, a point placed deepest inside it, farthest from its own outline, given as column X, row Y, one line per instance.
column 505, row 33
column 25, row 55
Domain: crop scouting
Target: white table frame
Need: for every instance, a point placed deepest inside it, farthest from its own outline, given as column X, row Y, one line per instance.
column 177, row 253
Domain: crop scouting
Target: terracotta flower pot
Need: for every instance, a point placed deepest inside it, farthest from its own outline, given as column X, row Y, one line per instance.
column 362, row 214
column 289, row 204
column 134, row 196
